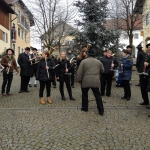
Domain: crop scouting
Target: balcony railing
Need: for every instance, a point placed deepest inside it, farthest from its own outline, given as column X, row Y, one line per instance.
column 22, row 21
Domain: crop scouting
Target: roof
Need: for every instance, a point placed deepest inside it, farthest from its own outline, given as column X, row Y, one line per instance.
column 7, row 7
column 139, row 6
column 30, row 15
column 111, row 24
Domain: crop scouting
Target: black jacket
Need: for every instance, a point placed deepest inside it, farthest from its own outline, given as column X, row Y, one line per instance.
column 25, row 65
column 140, row 60
column 107, row 63
column 60, row 70
column 41, row 73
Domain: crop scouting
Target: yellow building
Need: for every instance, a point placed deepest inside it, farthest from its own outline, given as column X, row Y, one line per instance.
column 22, row 24
column 5, row 11
column 143, row 7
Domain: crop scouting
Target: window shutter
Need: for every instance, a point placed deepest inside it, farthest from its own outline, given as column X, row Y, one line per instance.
column 6, row 38
column 1, row 34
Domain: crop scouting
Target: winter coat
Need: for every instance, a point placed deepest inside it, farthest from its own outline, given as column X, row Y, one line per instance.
column 126, row 70
column 41, row 73
column 25, row 65
column 107, row 63
column 89, row 72
column 69, row 56
column 140, row 61
column 60, row 70
column 4, row 62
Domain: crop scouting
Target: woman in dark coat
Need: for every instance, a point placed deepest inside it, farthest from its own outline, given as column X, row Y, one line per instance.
column 63, row 75
column 125, row 70
column 45, row 76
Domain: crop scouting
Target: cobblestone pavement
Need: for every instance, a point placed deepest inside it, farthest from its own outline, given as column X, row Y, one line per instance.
column 27, row 125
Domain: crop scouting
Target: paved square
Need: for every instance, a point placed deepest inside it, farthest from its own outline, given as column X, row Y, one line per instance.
column 27, row 125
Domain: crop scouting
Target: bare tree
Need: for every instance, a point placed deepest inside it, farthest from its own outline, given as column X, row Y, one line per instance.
column 50, row 18
column 126, row 19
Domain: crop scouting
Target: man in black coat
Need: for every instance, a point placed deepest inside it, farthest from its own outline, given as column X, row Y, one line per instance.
column 139, row 60
column 106, row 78
column 26, row 69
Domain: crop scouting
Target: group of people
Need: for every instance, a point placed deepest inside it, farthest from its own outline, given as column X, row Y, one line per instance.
column 92, row 73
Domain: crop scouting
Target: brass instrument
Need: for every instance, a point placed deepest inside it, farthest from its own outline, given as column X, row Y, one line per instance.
column 73, row 60
column 88, row 46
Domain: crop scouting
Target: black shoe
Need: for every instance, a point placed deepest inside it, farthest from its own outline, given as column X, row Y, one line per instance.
column 26, row 91
column 102, row 94
column 72, row 86
column 20, row 91
column 54, row 86
column 128, row 98
column 30, row 85
column 143, row 103
column 72, row 98
column 35, row 85
column 148, row 116
column 148, row 107
column 83, row 109
column 138, row 84
column 108, row 95
column 101, row 113
column 63, row 98
column 123, row 97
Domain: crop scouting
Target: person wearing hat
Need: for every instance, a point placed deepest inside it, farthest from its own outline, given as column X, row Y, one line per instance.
column 109, row 63
column 26, row 67
column 144, row 79
column 125, row 68
column 88, row 77
column 34, row 55
column 70, row 55
column 82, row 55
column 9, row 62
column 140, row 56
column 129, row 48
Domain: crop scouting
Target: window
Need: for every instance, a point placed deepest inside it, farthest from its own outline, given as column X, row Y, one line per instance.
column 19, row 16
column 125, row 36
column 22, row 34
column 147, row 19
column 25, row 37
column 14, row 48
column 18, row 50
column 22, row 50
column 4, row 38
column 136, row 36
column 19, row 32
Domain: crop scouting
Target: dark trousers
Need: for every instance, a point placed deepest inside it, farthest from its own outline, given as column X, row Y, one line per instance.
column 98, row 98
column 61, row 88
column 143, row 86
column 42, row 87
column 127, row 89
column 7, row 80
column 106, row 79
column 54, row 79
column 24, row 82
column 72, row 76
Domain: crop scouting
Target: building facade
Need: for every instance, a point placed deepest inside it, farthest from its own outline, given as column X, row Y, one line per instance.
column 142, row 7
column 5, row 11
column 21, row 24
